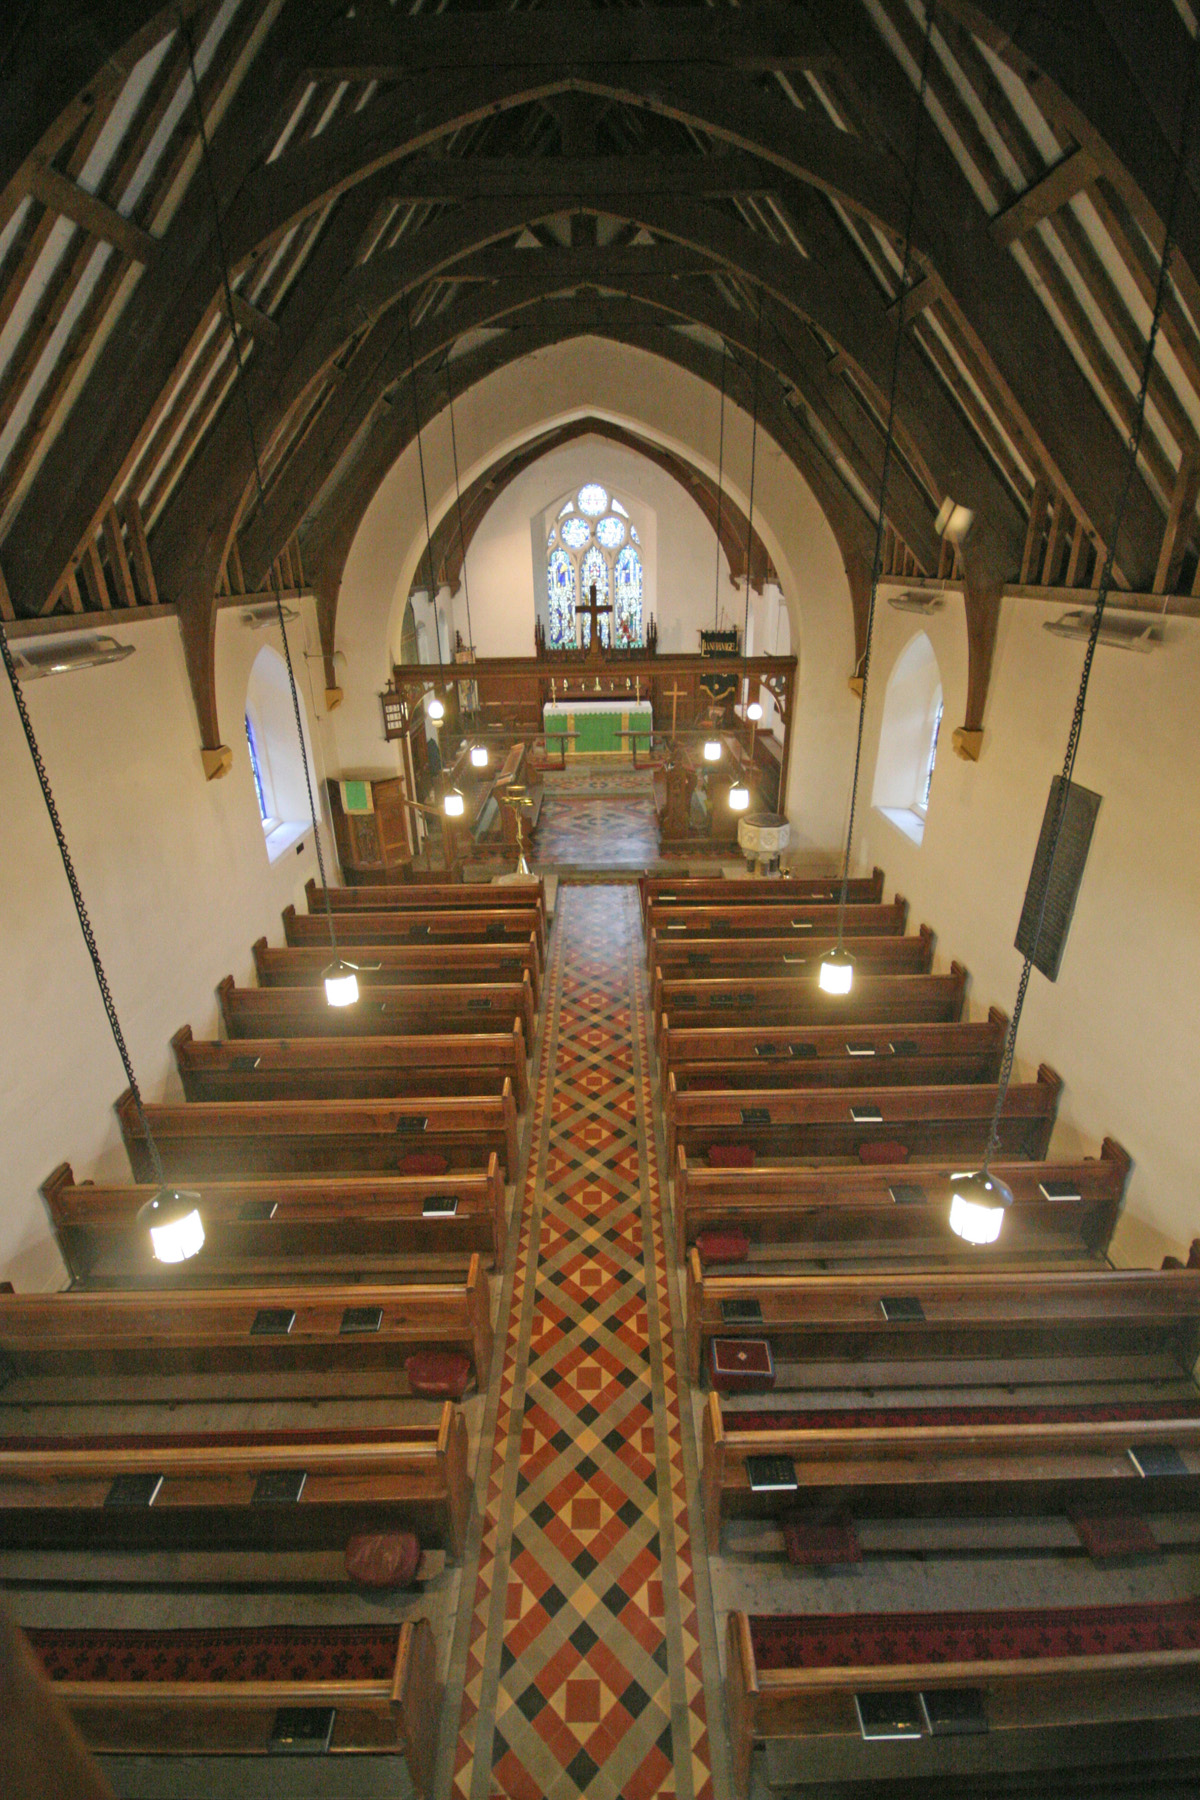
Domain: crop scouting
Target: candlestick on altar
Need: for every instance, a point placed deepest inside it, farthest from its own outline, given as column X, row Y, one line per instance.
column 553, row 690
column 639, row 689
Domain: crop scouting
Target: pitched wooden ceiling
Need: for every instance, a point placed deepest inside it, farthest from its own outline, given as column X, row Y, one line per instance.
column 410, row 200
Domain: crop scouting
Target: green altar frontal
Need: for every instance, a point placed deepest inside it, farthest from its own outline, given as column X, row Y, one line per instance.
column 598, row 726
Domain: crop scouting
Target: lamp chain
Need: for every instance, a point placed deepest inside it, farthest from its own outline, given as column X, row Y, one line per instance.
column 720, row 494
column 85, row 923
column 753, row 465
column 206, row 159
column 1106, row 578
column 886, row 467
column 412, row 370
column 458, row 503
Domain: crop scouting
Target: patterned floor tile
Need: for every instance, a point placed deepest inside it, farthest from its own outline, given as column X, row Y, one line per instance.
column 583, row 1668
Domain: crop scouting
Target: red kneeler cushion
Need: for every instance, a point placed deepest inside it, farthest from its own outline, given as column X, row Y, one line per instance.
column 731, row 1156
column 884, row 1150
column 1114, row 1534
column 423, row 1162
column 383, row 1559
column 438, row 1374
column 813, row 1546
column 722, row 1247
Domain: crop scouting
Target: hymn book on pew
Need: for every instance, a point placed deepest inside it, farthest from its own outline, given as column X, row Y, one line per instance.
column 279, row 1487
column 358, row 1319
column 955, row 1712
column 898, row 1308
column 908, row 1193
column 133, row 1490
column 741, row 1312
column 894, row 1714
column 257, row 1212
column 302, row 1729
column 273, row 1321
column 439, row 1206
column 1059, row 1190
column 772, row 1475
column 1156, row 1459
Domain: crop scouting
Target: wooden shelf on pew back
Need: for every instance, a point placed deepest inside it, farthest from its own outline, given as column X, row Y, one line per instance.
column 874, row 1000
column 54, row 1497
column 784, row 1056
column 1078, row 1704
column 747, row 923
column 396, row 1715
column 690, row 890
column 230, row 1138
column 785, row 960
column 316, row 1227
column 431, row 896
column 773, row 1206
column 932, row 1122
column 320, row 1068
column 839, row 1321
column 498, row 926
column 953, row 1470
column 447, row 1007
column 202, row 1343
column 409, row 965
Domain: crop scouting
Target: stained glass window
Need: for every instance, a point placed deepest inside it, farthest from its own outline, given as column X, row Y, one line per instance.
column 591, row 542
column 627, row 588
column 560, row 576
column 593, row 572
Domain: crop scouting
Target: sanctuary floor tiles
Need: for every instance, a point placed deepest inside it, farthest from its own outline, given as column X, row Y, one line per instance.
column 583, row 1670
column 597, row 833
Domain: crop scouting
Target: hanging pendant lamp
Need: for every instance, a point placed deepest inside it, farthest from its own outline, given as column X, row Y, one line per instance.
column 836, row 972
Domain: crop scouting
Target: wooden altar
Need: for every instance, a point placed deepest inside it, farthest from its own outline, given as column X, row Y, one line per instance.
column 689, row 695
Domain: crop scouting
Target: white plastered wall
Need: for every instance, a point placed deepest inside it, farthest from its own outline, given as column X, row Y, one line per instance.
column 175, row 875
column 1122, row 1023
column 588, row 376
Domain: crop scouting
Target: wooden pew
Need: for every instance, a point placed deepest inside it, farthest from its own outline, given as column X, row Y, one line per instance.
column 796, row 925
column 54, row 1492
column 455, row 1007
column 1062, row 1688
column 930, row 1122
column 836, row 1213
column 873, row 1000
column 836, row 1326
column 748, row 890
column 316, row 1227
column 779, row 959
column 352, row 1068
column 201, row 1693
column 229, row 1343
column 452, row 925
column 280, row 1137
column 778, row 1056
column 929, row 1462
column 412, row 965
column 432, row 896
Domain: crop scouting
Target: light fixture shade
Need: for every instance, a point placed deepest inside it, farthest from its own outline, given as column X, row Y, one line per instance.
column 436, row 709
column 479, row 756
column 739, row 797
column 977, row 1206
column 341, row 984
column 754, row 711
column 712, row 750
column 836, row 974
column 454, row 805
column 173, row 1220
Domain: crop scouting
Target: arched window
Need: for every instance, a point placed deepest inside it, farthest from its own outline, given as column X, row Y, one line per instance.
column 275, row 761
column 908, row 738
column 592, row 542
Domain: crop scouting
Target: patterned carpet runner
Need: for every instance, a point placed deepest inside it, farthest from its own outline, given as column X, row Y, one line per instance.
column 583, row 1670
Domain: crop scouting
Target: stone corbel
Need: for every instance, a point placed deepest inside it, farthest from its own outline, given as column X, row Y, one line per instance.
column 966, row 744
column 217, row 763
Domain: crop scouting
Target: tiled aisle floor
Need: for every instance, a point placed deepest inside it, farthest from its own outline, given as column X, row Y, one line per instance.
column 597, row 834
column 583, row 1671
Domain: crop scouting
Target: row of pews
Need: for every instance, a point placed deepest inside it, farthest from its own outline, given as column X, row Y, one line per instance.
column 861, row 1375
column 354, row 1168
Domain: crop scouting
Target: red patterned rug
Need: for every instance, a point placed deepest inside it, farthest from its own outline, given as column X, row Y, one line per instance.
column 249, row 1653
column 873, row 1640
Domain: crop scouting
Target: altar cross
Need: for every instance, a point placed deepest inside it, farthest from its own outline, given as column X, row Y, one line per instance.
column 593, row 609
column 674, row 694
